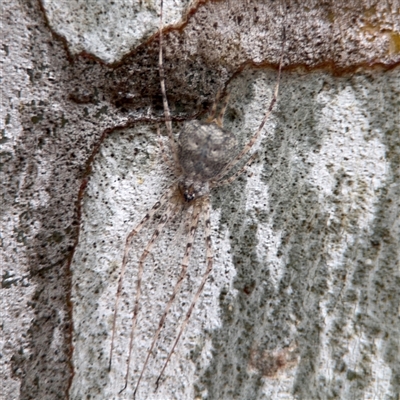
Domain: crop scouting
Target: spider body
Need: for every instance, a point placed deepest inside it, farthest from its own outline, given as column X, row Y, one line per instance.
column 204, row 149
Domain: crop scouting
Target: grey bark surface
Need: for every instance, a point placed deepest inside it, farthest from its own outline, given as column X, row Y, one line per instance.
column 303, row 301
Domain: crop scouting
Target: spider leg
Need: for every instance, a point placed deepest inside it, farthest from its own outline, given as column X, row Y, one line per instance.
column 237, row 173
column 253, row 140
column 219, row 119
column 167, row 113
column 211, row 116
column 185, row 262
column 209, row 261
column 169, row 213
column 131, row 235
column 212, row 112
column 163, row 153
column 184, row 226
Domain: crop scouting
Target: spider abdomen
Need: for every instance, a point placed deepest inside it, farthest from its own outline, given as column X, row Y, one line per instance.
column 204, row 149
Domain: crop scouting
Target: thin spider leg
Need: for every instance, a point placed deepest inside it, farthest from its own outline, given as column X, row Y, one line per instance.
column 253, row 140
column 167, row 113
column 183, row 227
column 236, row 175
column 185, row 262
column 170, row 213
column 212, row 112
column 219, row 119
column 131, row 235
column 209, row 260
column 163, row 153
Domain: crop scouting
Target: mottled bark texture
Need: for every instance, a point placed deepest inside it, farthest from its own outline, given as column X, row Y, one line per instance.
column 304, row 299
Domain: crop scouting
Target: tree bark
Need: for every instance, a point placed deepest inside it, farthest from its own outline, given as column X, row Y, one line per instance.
column 303, row 301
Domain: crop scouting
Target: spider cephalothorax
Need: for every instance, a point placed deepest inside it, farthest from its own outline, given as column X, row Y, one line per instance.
column 192, row 190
